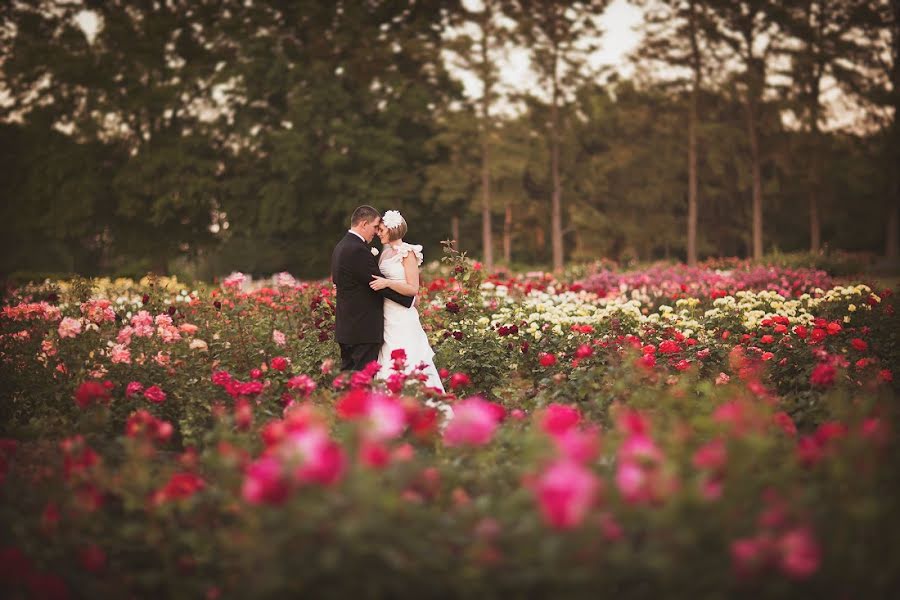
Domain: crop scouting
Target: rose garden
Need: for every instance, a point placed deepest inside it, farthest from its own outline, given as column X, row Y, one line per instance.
column 719, row 431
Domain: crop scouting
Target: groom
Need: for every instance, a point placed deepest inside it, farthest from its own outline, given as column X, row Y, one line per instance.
column 358, row 315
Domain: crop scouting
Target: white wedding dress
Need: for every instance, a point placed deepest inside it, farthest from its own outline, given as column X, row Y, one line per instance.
column 402, row 328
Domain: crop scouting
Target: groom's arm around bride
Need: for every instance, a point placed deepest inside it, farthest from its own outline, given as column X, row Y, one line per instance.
column 359, row 316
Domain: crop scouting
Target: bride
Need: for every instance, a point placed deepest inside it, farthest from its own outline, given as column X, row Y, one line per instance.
column 399, row 263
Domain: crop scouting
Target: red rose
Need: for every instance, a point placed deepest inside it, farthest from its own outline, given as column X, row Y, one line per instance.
column 823, row 375
column 668, row 347
column 155, row 394
column 458, row 380
column 279, row 363
column 91, row 392
column 547, row 359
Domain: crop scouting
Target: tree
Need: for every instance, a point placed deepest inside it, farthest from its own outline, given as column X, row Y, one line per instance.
column 559, row 34
column 880, row 87
column 675, row 37
column 139, row 85
column 452, row 177
column 746, row 27
column 335, row 105
column 828, row 35
column 479, row 53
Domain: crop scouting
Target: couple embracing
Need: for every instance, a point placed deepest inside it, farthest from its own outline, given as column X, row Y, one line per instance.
column 375, row 312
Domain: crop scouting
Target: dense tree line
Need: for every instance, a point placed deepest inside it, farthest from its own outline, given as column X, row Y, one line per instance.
column 223, row 134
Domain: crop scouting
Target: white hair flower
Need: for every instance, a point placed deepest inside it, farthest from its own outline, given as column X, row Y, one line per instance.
column 392, row 219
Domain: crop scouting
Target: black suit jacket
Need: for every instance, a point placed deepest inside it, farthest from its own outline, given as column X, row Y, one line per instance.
column 359, row 314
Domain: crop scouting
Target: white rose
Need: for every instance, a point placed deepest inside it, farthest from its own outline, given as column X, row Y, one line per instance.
column 197, row 344
column 374, row 251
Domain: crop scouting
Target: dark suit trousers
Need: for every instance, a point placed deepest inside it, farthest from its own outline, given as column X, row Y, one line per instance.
column 355, row 357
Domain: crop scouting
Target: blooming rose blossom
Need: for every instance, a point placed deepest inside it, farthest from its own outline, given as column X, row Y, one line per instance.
column 265, row 482
column 168, row 334
column 142, row 424
column 314, row 456
column 155, row 394
column 221, row 378
column 91, row 392
column 547, row 359
column 134, row 388
column 180, row 486
column 557, row 418
column 188, row 328
column 120, row 354
column 458, row 380
column 234, row 281
column 279, row 338
column 374, row 454
column 823, row 375
column 303, row 384
column 69, row 327
column 566, row 491
column 799, row 554
column 473, row 423
column 785, row 423
column 579, row 445
column 386, row 418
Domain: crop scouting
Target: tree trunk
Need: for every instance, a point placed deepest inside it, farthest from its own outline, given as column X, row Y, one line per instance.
column 815, row 224
column 815, row 227
column 507, row 234
column 756, row 171
column 556, row 202
column 692, row 145
column 487, row 242
column 892, row 235
column 692, row 182
column 454, row 231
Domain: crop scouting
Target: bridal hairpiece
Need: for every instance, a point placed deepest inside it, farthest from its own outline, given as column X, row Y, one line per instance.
column 392, row 219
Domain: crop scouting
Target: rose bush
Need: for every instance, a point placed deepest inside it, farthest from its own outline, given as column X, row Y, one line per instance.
column 199, row 441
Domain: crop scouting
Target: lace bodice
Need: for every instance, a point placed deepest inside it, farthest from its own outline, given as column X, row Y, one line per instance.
column 392, row 260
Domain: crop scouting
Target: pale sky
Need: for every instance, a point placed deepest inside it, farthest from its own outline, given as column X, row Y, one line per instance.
column 619, row 22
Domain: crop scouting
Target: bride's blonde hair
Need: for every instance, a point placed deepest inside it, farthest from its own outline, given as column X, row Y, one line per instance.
column 395, row 233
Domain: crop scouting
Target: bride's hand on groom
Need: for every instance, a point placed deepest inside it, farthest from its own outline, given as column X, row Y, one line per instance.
column 378, row 283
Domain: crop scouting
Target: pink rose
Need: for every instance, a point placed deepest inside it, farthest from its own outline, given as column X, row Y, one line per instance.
column 265, row 483
column 302, row 383
column 317, row 458
column 559, row 418
column 474, row 422
column 120, row 355
column 799, row 553
column 69, row 327
column 631, row 481
column 386, row 418
column 566, row 491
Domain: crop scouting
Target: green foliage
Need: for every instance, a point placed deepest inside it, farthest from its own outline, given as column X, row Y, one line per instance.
column 122, row 148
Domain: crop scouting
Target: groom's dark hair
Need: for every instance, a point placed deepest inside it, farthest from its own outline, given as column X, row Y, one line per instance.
column 363, row 213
